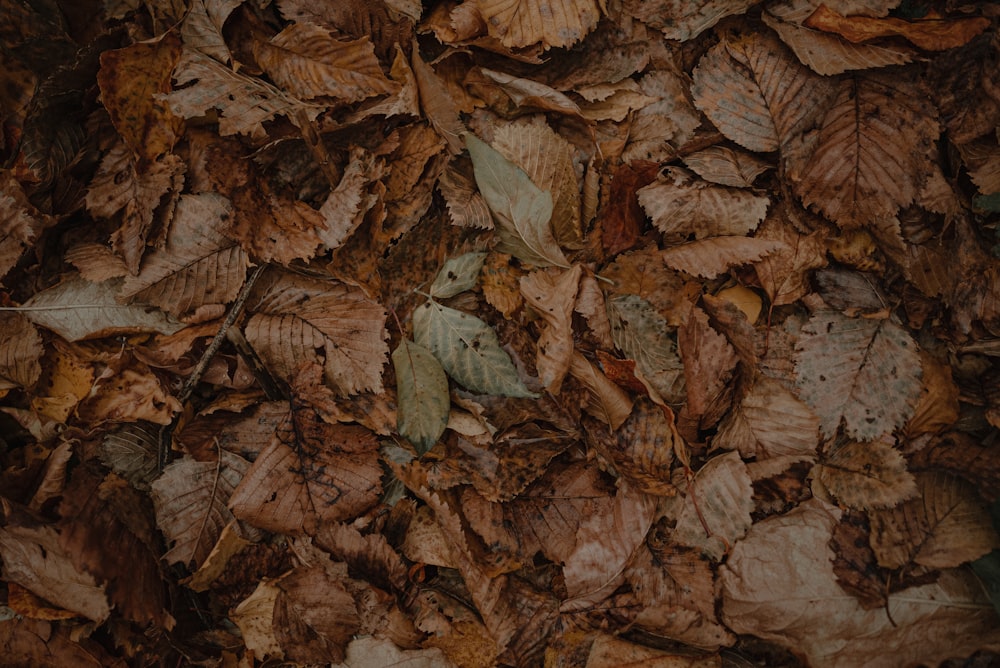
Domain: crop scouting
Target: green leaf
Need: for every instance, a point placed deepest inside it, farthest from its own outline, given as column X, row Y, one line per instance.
column 421, row 395
column 468, row 350
column 457, row 275
column 641, row 334
column 522, row 210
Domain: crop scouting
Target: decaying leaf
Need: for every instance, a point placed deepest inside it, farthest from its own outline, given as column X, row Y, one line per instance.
column 553, row 298
column 606, row 401
column 641, row 333
column 930, row 35
column 520, row 24
column 683, row 20
column 457, row 275
column 20, row 350
column 862, row 372
column 863, row 476
column 716, row 509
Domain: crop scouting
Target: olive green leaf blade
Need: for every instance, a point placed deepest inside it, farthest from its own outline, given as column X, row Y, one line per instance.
column 457, row 275
column 421, row 395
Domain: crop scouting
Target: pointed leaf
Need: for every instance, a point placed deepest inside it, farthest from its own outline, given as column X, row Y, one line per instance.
column 553, row 297
column 864, row 476
column 20, row 350
column 457, row 275
column 641, row 333
column 421, row 395
column 523, row 211
column 770, row 422
column 716, row 511
column 710, row 257
column 863, row 372
column 468, row 350
column 528, row 22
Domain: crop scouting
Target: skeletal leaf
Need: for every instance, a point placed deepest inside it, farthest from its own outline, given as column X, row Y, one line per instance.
column 421, row 395
column 468, row 350
column 523, row 212
column 457, row 275
column 862, row 372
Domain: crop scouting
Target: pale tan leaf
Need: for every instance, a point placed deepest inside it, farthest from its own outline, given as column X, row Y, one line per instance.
column 778, row 584
column 591, row 305
column 346, row 205
column 784, row 274
column 308, row 62
column 872, row 153
column 614, row 102
column 197, row 267
column 864, row 476
column 716, row 510
column 96, row 262
column 945, row 525
column 746, row 301
column 710, row 257
column 683, row 20
column 605, row 400
column 528, row 93
column 371, row 652
column 254, row 617
column 521, row 23
column 828, row 54
column 299, row 319
column 605, row 543
column 77, row 309
column 726, row 166
column 755, row 91
column 202, row 27
column 404, row 102
column 20, row 350
column 245, row 103
column 770, row 422
column 680, row 204
column 34, row 559
column 641, row 334
column 437, row 103
column 190, row 499
column 548, row 159
column 553, row 298
column 862, row 372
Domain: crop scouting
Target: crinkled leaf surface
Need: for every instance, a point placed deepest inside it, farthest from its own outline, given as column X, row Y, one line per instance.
column 468, row 350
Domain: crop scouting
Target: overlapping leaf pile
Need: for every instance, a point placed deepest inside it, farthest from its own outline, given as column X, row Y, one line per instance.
column 486, row 333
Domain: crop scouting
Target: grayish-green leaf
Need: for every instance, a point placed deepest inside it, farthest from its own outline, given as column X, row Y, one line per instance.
column 642, row 334
column 468, row 350
column 523, row 212
column 457, row 275
column 422, row 401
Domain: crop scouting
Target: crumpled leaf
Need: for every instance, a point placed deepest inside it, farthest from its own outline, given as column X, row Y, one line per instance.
column 930, row 35
column 681, row 204
column 523, row 212
column 298, row 319
column 190, row 499
column 778, row 584
column 245, row 103
column 683, row 20
column 553, row 296
column 945, row 525
column 421, row 395
column 862, row 372
column 468, row 350
column 872, row 153
column 864, row 476
column 20, row 222
column 457, row 275
column 716, row 510
column 606, row 401
column 305, row 60
column 77, row 309
column 197, row 267
column 710, row 257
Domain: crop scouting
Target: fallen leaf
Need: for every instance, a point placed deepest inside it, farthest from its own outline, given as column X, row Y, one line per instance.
column 710, row 257
column 863, row 476
column 562, row 23
column 553, row 298
column 716, row 509
column 929, row 34
column 641, row 334
column 422, row 395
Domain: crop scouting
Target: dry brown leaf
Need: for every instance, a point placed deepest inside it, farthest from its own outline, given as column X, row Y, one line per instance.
column 523, row 93
column 522, row 24
column 981, row 159
column 129, row 395
column 20, row 351
column 726, row 166
column 770, row 422
column 643, row 273
column 865, row 476
column 605, row 400
column 346, row 205
column 684, row 20
column 779, row 584
column 254, row 617
column 824, row 53
column 298, row 319
column 710, row 257
column 642, row 448
column 872, row 152
column 709, row 366
column 930, row 34
column 716, row 509
column 202, row 27
column 680, row 204
column 946, row 525
column 590, row 303
column 553, row 296
column 20, row 222
column 466, row 205
column 938, row 405
column 314, row 614
column 437, row 104
column 784, row 274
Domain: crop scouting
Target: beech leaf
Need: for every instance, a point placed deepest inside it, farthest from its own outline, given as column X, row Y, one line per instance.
column 421, row 395
column 716, row 510
column 864, row 476
column 641, row 333
column 457, row 275
column 523, row 212
column 710, row 257
column 862, row 372
column 468, row 350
